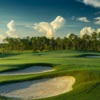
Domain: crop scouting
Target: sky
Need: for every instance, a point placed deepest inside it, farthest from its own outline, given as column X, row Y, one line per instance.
column 50, row 18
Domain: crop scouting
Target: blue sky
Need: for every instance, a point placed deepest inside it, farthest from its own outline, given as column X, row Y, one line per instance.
column 26, row 17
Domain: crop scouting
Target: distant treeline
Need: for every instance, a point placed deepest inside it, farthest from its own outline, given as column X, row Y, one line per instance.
column 73, row 42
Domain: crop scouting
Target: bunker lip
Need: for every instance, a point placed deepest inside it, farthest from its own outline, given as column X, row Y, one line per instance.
column 30, row 70
column 38, row 88
column 92, row 56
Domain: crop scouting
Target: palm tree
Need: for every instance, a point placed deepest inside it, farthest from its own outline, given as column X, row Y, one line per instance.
column 73, row 40
column 94, row 40
column 86, row 42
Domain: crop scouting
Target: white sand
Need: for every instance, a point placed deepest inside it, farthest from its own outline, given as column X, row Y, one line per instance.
column 30, row 70
column 93, row 56
column 38, row 88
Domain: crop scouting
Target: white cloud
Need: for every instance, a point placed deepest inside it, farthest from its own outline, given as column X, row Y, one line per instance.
column 86, row 30
column 98, row 20
column 10, row 25
column 68, row 35
column 98, row 30
column 58, row 22
column 83, row 19
column 94, row 3
column 50, row 28
column 45, row 28
column 2, row 38
column 11, row 31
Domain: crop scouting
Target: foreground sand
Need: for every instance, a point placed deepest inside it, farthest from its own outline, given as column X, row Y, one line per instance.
column 38, row 88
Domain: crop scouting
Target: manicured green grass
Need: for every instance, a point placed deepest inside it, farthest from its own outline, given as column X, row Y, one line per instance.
column 72, row 63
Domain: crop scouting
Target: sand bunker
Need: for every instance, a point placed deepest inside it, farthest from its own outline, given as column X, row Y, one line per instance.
column 30, row 70
column 38, row 88
column 93, row 56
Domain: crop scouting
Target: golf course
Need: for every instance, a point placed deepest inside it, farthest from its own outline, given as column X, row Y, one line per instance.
column 50, row 50
column 55, row 75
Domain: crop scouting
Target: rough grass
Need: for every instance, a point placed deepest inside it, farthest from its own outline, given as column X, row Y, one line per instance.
column 72, row 63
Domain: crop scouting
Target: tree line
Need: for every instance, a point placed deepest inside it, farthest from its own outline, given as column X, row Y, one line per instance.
column 73, row 42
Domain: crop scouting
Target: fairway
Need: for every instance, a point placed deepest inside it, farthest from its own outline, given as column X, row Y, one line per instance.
column 77, row 64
